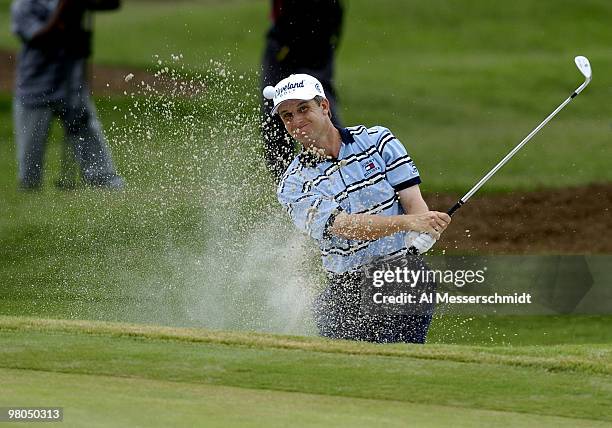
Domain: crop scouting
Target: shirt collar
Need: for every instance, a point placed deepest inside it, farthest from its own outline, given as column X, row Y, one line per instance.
column 345, row 134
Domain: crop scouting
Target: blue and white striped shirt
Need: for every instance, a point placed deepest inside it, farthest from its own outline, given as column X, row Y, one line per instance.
column 371, row 168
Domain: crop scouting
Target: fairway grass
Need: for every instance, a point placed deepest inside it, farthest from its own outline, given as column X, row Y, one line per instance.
column 109, row 401
column 149, row 376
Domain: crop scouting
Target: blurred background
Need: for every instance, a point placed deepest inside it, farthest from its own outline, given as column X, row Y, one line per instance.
column 197, row 237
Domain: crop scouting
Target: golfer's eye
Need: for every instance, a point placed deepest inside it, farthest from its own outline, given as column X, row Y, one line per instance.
column 303, row 109
column 287, row 117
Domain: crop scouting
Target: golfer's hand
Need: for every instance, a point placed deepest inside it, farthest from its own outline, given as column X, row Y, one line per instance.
column 431, row 222
column 419, row 240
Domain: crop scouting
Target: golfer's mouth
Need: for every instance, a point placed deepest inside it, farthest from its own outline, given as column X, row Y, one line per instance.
column 300, row 130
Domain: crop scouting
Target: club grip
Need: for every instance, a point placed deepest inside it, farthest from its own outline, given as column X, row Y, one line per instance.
column 455, row 207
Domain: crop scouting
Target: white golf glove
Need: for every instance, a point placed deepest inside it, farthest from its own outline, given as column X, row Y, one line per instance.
column 419, row 240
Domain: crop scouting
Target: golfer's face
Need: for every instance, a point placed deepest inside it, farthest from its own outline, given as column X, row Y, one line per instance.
column 304, row 120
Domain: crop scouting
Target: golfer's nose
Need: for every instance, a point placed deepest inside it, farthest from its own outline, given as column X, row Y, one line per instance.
column 299, row 119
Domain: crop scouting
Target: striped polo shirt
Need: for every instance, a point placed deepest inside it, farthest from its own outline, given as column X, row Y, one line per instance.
column 371, row 168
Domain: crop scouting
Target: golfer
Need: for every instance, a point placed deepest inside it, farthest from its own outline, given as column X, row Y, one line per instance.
column 356, row 192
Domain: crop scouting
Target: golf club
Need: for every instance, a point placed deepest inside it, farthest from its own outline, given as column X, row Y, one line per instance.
column 585, row 68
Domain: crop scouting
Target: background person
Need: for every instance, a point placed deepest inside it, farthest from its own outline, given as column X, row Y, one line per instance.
column 303, row 39
column 51, row 82
column 356, row 192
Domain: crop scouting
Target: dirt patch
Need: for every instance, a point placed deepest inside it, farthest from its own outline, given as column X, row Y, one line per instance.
column 573, row 220
column 104, row 80
column 561, row 221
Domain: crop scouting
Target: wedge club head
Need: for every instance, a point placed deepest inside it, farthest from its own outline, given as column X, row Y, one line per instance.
column 584, row 66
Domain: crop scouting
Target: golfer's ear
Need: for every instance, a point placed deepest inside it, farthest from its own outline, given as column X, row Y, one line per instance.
column 325, row 106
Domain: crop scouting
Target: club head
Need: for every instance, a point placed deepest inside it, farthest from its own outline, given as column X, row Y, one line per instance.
column 584, row 66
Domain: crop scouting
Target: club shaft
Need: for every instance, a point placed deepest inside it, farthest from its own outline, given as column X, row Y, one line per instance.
column 509, row 156
column 518, row 147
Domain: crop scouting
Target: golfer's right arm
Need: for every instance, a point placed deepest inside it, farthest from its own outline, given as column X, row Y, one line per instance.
column 370, row 226
column 319, row 215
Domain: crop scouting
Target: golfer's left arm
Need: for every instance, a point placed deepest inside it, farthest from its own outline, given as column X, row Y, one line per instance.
column 412, row 201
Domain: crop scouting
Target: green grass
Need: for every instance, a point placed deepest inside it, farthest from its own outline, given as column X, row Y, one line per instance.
column 459, row 84
column 136, row 402
column 198, row 238
column 148, row 364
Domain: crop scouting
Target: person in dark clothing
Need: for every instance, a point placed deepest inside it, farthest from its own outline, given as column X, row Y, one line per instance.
column 303, row 39
column 51, row 82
